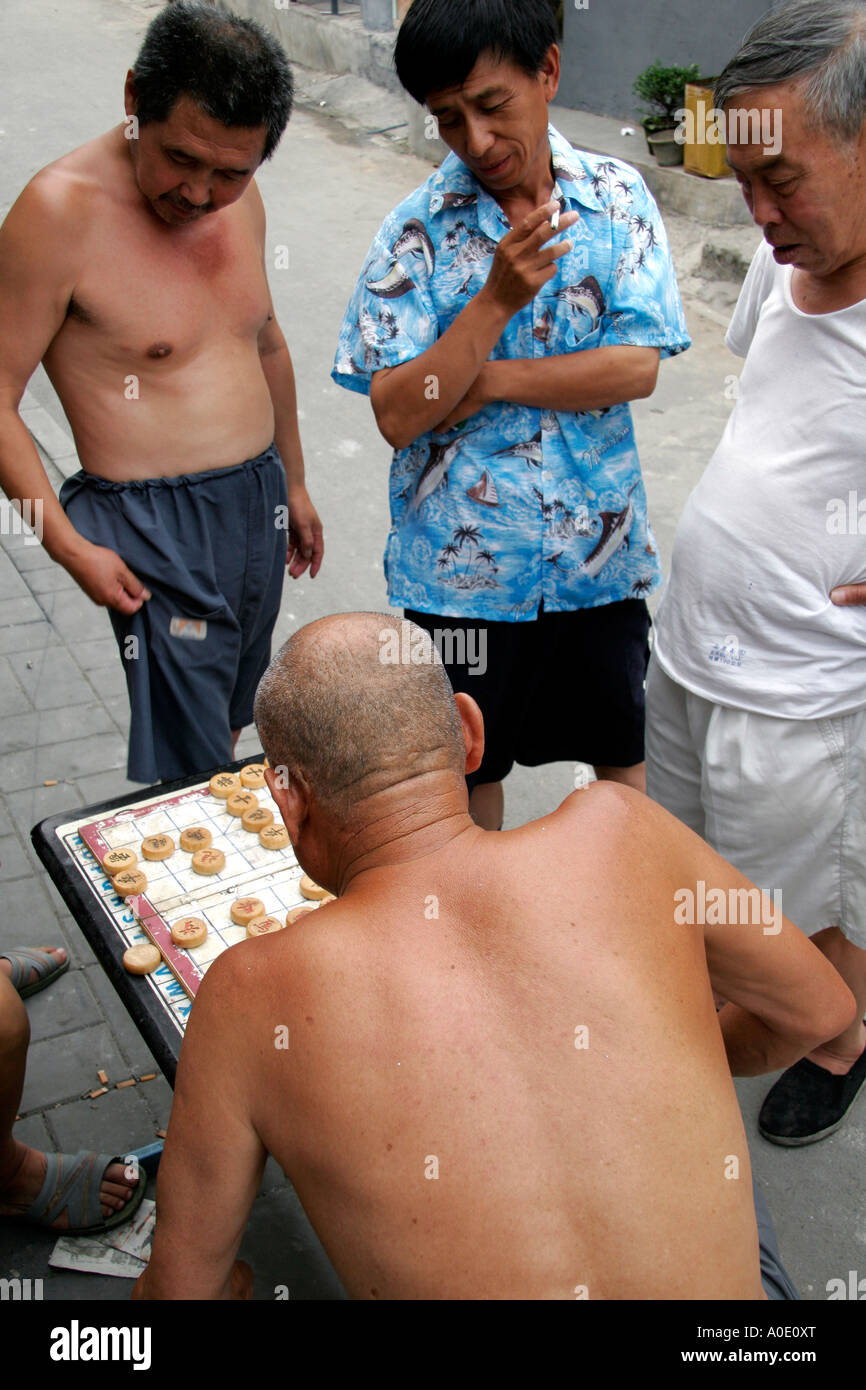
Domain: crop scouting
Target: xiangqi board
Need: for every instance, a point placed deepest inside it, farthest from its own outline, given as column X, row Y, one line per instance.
column 174, row 891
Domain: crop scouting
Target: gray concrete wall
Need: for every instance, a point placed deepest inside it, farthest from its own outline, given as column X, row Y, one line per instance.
column 609, row 42
column 339, row 44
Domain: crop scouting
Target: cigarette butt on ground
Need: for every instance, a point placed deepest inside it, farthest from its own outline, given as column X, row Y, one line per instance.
column 162, row 1134
column 103, row 1077
column 121, row 1085
column 101, row 1092
column 149, row 1076
column 51, row 783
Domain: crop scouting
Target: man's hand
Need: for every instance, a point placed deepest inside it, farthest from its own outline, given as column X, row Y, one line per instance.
column 522, row 263
column 306, row 541
column 849, row 595
column 476, row 399
column 106, row 579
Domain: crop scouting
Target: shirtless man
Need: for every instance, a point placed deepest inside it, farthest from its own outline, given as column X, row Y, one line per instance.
column 133, row 268
column 492, row 1068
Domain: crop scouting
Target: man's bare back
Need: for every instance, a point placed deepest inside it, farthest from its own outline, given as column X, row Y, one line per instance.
column 455, row 1046
column 504, row 1077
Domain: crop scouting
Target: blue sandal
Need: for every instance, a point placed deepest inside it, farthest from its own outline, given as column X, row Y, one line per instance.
column 27, row 958
column 73, row 1181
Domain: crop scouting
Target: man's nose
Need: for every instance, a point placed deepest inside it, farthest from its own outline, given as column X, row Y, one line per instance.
column 765, row 207
column 478, row 138
column 196, row 190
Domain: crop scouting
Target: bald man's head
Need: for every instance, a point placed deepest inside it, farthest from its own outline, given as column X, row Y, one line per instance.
column 359, row 702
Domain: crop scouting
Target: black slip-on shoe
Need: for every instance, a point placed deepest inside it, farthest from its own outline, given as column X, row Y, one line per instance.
column 808, row 1102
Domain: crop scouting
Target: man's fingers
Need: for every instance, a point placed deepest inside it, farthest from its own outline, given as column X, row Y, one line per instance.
column 537, row 218
column 133, row 586
column 849, row 595
column 318, row 553
column 123, row 603
column 552, row 253
column 568, row 220
column 301, row 549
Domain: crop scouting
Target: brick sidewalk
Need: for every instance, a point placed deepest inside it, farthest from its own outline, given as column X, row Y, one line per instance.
column 64, row 718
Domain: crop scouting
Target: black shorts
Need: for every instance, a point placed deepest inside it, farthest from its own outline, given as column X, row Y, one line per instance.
column 565, row 687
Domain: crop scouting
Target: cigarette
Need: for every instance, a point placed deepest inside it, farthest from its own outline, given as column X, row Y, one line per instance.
column 554, row 221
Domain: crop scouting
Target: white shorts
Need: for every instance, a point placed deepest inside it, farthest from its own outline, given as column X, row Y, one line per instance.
column 783, row 799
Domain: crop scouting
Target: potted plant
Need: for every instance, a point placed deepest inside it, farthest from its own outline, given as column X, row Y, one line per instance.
column 663, row 91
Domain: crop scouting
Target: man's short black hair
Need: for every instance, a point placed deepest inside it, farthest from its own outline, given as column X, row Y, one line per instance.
column 440, row 41
column 234, row 70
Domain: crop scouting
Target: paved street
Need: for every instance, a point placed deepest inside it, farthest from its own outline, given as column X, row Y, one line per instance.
column 63, row 708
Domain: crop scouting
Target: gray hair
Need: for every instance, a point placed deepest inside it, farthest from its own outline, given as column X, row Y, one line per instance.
column 822, row 40
column 356, row 720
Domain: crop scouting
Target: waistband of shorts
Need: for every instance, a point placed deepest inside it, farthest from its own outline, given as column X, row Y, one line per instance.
column 180, row 480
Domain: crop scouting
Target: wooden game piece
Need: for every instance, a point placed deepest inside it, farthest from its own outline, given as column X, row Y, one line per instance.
column 274, row 836
column 140, row 960
column 312, row 890
column 239, row 802
column 116, row 860
column 245, row 910
column 195, row 837
column 129, row 882
column 253, row 775
column 257, row 818
column 300, row 911
column 188, row 932
column 223, row 784
column 157, row 847
column 208, row 861
column 263, row 926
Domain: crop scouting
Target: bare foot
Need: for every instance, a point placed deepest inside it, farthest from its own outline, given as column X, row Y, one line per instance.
column 27, row 1174
column 57, row 951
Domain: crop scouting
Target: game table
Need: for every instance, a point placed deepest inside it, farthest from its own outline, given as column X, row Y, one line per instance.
column 71, row 845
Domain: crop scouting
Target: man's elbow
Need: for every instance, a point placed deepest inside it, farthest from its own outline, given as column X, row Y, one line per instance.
column 389, row 427
column 647, row 377
column 389, row 430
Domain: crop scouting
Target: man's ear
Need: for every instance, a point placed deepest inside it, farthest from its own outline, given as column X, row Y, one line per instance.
column 550, row 71
column 290, row 794
column 130, row 96
column 473, row 730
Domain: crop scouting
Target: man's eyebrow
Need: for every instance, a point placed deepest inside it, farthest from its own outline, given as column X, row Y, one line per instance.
column 479, row 96
column 765, row 165
column 185, row 154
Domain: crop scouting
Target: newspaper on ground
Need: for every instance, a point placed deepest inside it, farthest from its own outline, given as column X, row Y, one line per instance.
column 122, row 1252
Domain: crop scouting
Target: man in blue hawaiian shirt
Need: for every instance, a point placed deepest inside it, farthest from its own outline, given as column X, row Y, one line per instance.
column 500, row 360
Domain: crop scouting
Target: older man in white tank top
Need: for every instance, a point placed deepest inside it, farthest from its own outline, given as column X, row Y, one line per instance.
column 756, row 698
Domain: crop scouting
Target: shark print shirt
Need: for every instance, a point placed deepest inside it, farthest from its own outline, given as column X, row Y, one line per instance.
column 518, row 505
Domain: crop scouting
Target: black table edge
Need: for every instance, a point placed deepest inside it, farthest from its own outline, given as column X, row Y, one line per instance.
column 163, row 1040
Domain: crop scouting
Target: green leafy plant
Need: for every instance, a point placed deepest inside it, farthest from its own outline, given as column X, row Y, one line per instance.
column 664, row 92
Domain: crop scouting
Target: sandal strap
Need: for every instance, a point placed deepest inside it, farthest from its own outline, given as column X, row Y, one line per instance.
column 69, row 1183
column 15, row 960
column 25, row 958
